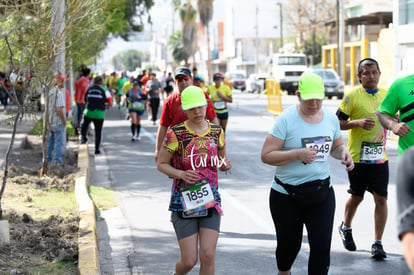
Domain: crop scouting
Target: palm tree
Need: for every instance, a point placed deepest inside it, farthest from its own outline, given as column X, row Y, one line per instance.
column 205, row 10
column 189, row 29
column 175, row 43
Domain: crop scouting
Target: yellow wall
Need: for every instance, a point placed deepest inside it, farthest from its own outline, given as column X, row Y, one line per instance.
column 355, row 51
column 386, row 56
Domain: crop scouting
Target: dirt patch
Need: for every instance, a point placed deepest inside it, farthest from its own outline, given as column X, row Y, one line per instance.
column 36, row 244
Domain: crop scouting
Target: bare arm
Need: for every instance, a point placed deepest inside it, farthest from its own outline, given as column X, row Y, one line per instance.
column 273, row 155
column 365, row 123
column 407, row 240
column 61, row 115
column 391, row 123
column 162, row 130
column 225, row 98
column 225, row 164
column 341, row 152
column 164, row 166
column 215, row 120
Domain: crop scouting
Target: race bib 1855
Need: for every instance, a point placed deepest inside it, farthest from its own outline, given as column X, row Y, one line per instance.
column 198, row 196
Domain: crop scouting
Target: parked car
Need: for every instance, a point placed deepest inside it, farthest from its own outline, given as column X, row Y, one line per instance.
column 334, row 86
column 236, row 80
column 256, row 83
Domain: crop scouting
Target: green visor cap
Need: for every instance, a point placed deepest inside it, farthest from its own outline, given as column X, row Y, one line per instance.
column 192, row 97
column 311, row 87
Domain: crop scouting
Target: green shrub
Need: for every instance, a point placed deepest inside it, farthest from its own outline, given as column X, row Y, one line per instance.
column 38, row 128
column 69, row 128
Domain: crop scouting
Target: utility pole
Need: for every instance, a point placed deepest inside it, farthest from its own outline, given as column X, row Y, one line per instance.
column 257, row 39
column 58, row 34
column 340, row 36
column 281, row 23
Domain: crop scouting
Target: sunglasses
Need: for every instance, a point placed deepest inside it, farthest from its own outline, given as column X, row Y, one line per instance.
column 181, row 78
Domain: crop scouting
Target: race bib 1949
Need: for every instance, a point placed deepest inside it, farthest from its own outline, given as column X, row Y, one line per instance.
column 198, row 196
column 322, row 144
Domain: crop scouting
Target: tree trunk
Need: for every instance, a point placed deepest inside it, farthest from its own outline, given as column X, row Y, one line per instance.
column 6, row 159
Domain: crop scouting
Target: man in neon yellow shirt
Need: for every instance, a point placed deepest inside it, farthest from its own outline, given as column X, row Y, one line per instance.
column 220, row 94
column 357, row 113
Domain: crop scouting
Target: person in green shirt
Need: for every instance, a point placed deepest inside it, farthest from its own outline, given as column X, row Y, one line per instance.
column 120, row 84
column 95, row 99
column 396, row 112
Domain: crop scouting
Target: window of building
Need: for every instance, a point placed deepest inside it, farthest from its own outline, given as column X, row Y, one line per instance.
column 406, row 12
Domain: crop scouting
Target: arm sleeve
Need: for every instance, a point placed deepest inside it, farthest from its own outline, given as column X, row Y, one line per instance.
column 170, row 141
column 345, row 106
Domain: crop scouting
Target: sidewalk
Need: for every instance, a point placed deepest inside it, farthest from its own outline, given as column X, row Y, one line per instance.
column 23, row 128
column 113, row 232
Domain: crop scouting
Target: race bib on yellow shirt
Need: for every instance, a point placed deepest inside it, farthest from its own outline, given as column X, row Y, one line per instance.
column 219, row 105
column 372, row 151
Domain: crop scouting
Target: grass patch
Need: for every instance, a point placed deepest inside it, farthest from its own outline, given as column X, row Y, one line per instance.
column 103, row 198
column 56, row 268
column 39, row 204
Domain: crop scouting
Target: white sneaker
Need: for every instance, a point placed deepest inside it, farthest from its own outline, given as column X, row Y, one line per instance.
column 137, row 138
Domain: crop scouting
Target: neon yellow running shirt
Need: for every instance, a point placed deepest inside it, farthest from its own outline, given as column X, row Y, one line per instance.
column 220, row 106
column 365, row 146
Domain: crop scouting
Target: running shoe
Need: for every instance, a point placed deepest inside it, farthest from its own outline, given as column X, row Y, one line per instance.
column 83, row 140
column 378, row 252
column 133, row 138
column 346, row 236
column 137, row 138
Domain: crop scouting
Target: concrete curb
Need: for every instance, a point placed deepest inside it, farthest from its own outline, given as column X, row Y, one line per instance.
column 88, row 262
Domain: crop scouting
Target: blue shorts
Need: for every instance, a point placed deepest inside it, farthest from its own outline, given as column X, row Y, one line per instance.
column 139, row 112
column 369, row 177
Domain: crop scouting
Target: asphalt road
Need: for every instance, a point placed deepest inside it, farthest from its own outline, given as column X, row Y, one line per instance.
column 137, row 237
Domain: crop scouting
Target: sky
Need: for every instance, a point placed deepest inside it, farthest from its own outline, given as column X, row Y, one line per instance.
column 162, row 17
column 165, row 21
